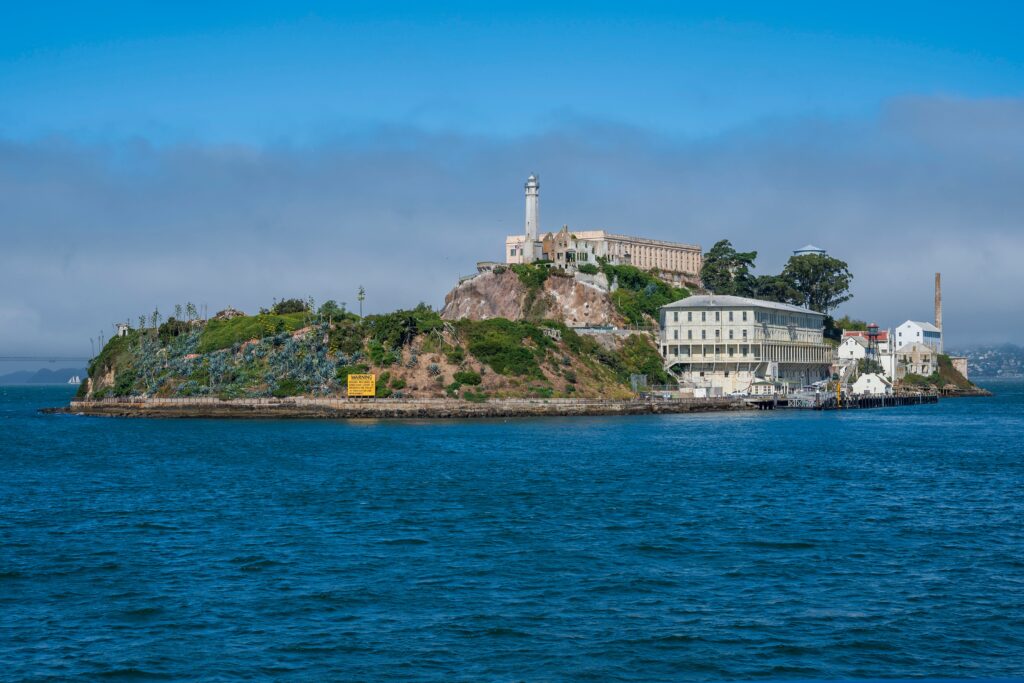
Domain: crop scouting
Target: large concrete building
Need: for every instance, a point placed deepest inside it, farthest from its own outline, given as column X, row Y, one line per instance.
column 675, row 261
column 729, row 344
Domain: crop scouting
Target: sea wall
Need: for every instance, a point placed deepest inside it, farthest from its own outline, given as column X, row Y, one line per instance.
column 308, row 407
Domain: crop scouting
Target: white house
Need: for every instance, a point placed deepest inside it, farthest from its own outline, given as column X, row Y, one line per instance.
column 871, row 384
column 915, row 332
column 852, row 348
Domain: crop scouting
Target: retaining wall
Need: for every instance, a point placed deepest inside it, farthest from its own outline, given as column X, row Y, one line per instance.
column 308, row 407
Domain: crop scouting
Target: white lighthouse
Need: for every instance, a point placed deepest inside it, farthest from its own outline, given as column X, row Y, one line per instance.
column 532, row 188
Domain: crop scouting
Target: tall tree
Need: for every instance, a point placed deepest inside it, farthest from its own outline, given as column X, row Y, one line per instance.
column 823, row 281
column 776, row 288
column 727, row 271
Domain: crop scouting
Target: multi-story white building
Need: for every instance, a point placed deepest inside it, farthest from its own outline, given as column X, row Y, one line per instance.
column 730, row 344
column 913, row 331
column 567, row 248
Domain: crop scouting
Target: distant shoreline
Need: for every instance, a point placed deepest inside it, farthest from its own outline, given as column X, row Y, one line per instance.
column 330, row 408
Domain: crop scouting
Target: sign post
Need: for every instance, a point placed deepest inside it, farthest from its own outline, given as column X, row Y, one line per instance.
column 364, row 386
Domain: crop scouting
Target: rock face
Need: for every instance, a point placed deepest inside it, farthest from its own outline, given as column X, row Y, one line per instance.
column 502, row 295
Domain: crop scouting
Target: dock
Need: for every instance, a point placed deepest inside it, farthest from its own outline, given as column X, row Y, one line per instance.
column 831, row 402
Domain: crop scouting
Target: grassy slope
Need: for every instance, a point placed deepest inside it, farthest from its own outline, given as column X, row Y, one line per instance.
column 413, row 353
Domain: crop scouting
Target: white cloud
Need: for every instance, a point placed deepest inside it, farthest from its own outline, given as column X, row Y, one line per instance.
column 92, row 233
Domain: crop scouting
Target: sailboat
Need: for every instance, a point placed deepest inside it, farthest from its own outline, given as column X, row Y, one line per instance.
column 75, row 379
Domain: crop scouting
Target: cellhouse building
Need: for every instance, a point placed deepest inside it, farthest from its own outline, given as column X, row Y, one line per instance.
column 727, row 344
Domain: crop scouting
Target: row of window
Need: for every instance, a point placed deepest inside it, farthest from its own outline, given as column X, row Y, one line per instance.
column 704, row 316
column 704, row 334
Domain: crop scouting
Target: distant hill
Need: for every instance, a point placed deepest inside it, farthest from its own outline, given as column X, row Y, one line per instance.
column 42, row 376
column 1006, row 360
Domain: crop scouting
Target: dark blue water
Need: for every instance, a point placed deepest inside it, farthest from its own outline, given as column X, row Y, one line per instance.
column 885, row 543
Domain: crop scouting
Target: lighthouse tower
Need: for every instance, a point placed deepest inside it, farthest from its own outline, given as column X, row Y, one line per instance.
column 532, row 215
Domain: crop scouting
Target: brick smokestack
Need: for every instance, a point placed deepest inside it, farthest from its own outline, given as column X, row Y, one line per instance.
column 938, row 300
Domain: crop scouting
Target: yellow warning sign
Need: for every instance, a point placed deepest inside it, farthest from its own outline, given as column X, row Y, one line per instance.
column 362, row 385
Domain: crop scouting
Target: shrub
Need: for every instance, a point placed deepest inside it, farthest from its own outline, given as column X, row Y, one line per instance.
column 290, row 306
column 398, row 383
column 456, row 355
column 125, row 382
column 468, row 377
column 288, row 387
column 588, row 268
column 474, row 397
column 531, row 275
column 344, row 371
column 172, row 328
column 433, row 370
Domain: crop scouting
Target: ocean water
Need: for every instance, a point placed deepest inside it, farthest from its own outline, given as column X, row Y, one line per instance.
column 879, row 543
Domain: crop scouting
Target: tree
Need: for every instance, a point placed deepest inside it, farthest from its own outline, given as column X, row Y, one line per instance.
column 290, row 306
column 776, row 288
column 361, row 295
column 727, row 271
column 823, row 281
column 331, row 310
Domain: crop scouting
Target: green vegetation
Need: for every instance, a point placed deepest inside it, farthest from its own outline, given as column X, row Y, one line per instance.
column 588, row 268
column 313, row 353
column 532, row 275
column 822, row 281
column 504, row 345
column 947, row 374
column 286, row 306
column 639, row 357
column 223, row 334
column 468, row 377
column 640, row 294
column 116, row 353
column 289, row 387
column 727, row 271
column 817, row 281
column 848, row 323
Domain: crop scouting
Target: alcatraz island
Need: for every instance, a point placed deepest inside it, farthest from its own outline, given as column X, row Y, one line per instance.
column 570, row 323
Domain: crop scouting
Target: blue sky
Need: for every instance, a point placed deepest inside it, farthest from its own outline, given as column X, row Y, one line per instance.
column 141, row 143
column 262, row 71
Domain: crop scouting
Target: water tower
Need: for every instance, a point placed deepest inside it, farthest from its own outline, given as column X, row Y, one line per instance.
column 873, row 334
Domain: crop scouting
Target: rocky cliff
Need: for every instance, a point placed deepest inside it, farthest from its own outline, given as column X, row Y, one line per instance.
column 577, row 301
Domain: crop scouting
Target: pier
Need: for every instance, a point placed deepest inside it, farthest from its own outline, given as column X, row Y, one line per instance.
column 831, row 402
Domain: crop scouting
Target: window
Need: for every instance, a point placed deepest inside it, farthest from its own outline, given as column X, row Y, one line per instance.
column 718, row 333
column 744, row 333
column 730, row 334
column 689, row 316
column 744, row 316
column 675, row 316
column 689, row 334
column 675, row 334
column 730, row 316
column 703, row 316
column 718, row 316
column 703, row 334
